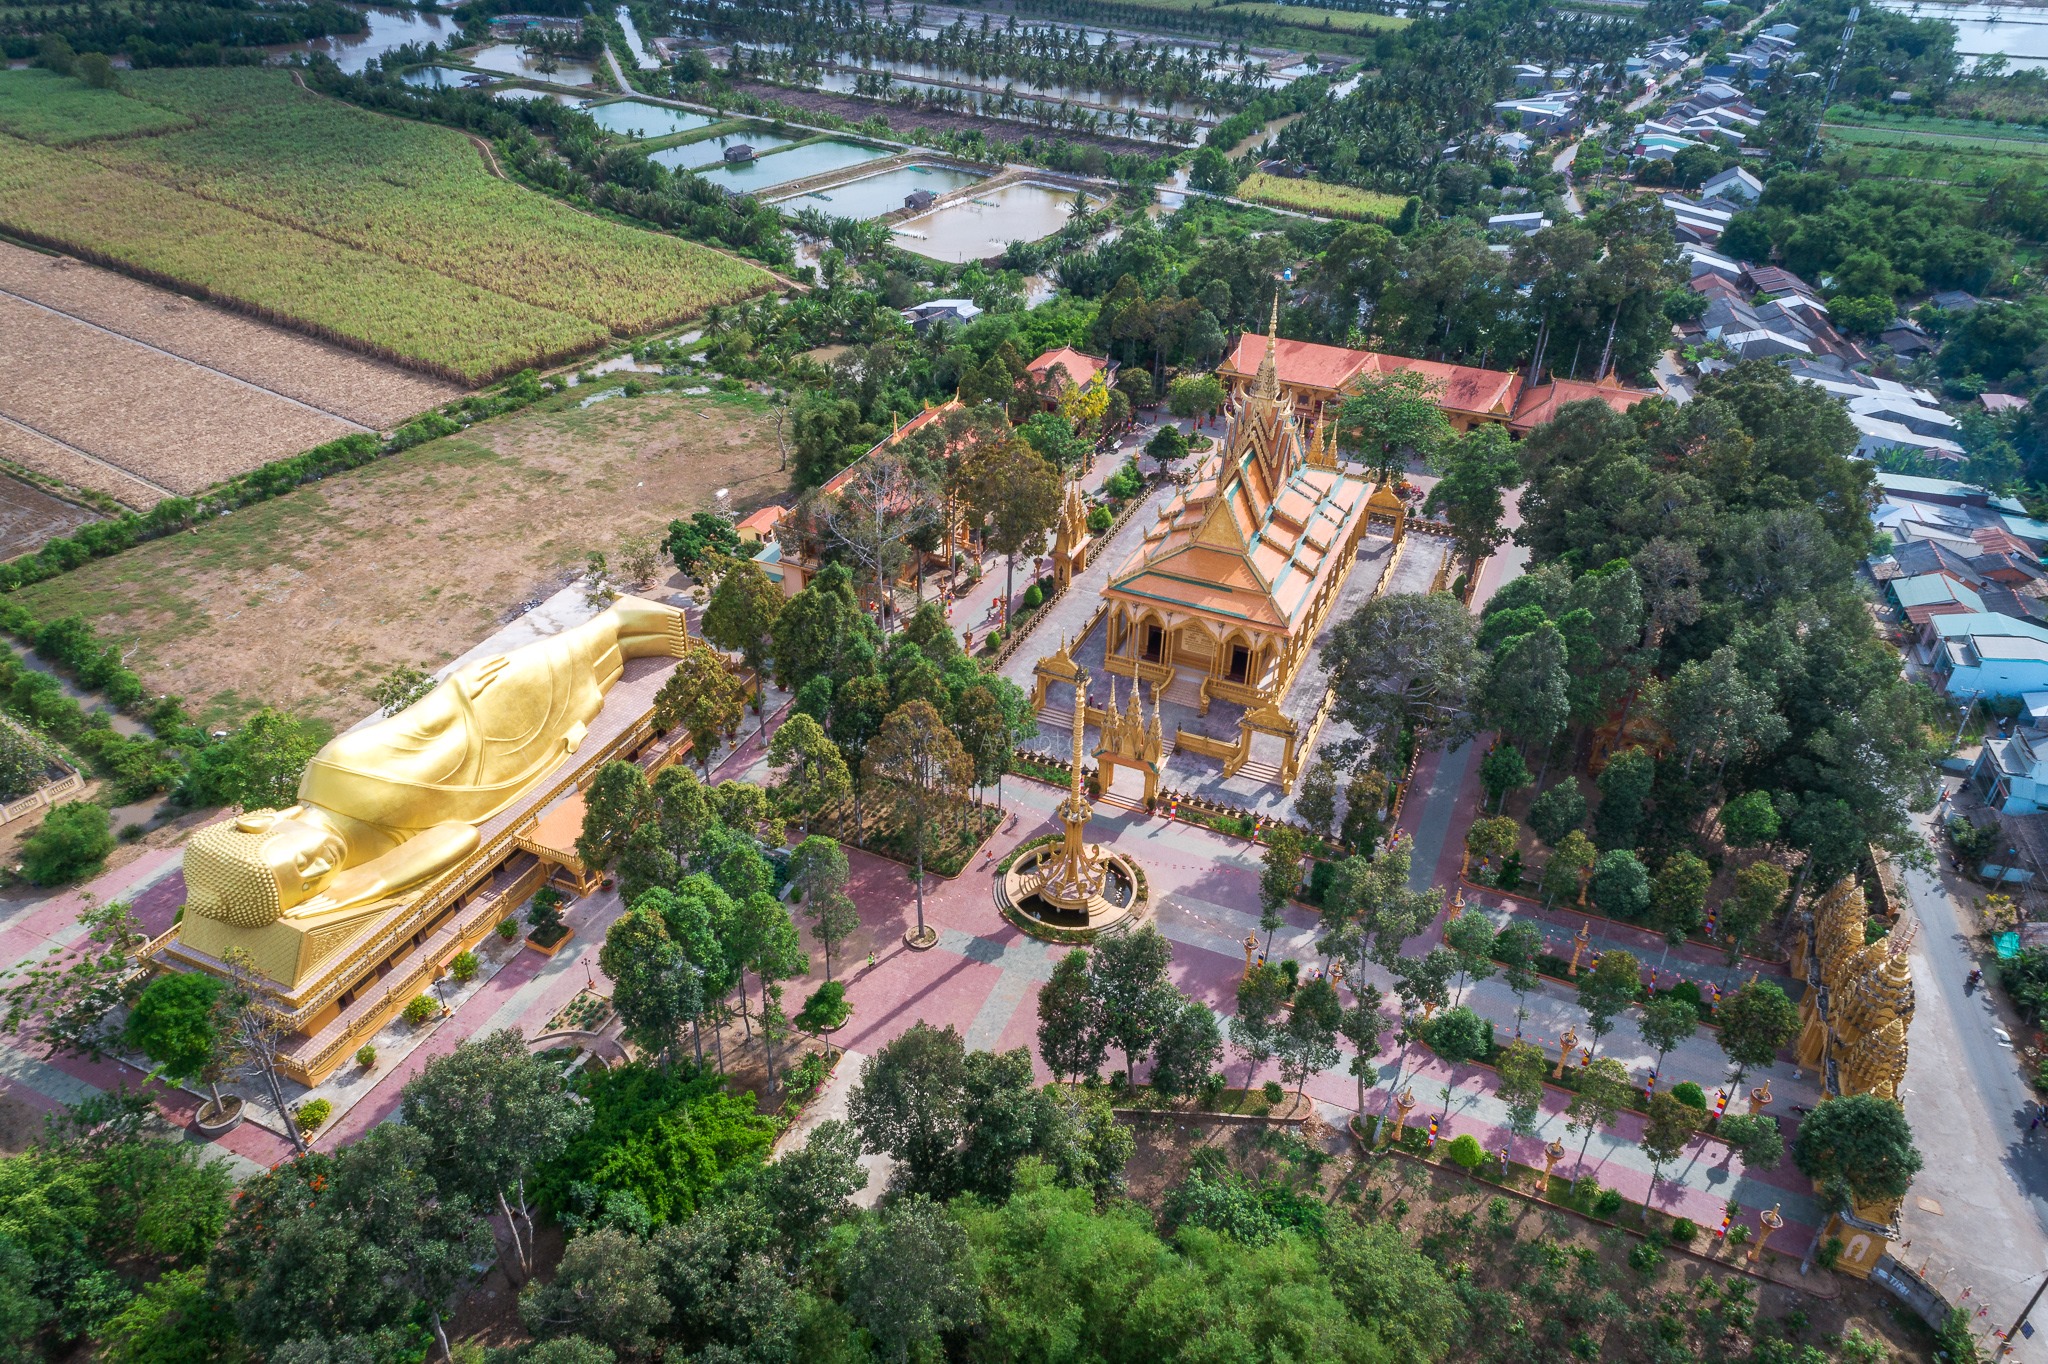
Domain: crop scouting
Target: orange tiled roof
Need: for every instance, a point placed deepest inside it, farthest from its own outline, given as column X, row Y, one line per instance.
column 1308, row 364
column 762, row 521
column 1081, row 368
column 1540, row 402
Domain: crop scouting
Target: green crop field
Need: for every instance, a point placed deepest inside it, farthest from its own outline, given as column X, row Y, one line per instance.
column 1313, row 196
column 1311, row 17
column 1953, row 152
column 45, row 107
column 380, row 232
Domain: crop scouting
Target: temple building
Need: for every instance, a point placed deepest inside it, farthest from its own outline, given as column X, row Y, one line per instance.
column 1224, row 598
column 1854, row 1016
column 1319, row 378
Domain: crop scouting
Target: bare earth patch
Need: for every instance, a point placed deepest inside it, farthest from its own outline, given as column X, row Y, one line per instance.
column 339, row 381
column 29, row 516
column 59, row 463
column 163, row 420
column 301, row 601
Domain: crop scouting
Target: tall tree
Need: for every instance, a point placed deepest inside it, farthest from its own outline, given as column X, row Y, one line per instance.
column 1521, row 1069
column 614, row 804
column 1478, row 468
column 1614, row 983
column 704, row 698
column 1752, row 1024
column 1308, row 1040
column 492, row 1113
column 1261, row 994
column 1391, row 417
column 345, row 1244
column 814, row 773
column 1361, row 1025
column 868, row 521
column 1604, row 1090
column 741, row 616
column 818, row 873
column 1127, row 974
column 1667, row 1021
column 1516, row 948
column 909, row 1279
column 656, row 989
column 1279, row 879
column 918, row 770
column 1187, row 1051
column 1666, row 1134
column 911, row 1103
column 820, row 632
column 1017, row 496
column 1759, row 891
column 1070, row 1036
column 1858, row 1148
column 1405, row 660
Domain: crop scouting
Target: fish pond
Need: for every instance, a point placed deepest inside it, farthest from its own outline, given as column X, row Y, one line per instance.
column 795, row 163
column 637, row 119
column 972, row 228
column 873, row 195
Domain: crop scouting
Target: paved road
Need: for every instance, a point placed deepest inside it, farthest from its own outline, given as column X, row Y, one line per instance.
column 1986, row 1176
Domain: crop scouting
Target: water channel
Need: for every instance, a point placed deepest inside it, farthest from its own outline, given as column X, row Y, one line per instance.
column 389, row 29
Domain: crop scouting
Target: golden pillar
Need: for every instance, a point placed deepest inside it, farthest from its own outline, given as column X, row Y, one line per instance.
column 1580, row 941
column 1767, row 1222
column 1552, row 1154
column 1251, row 945
column 1760, row 1098
column 1564, row 1051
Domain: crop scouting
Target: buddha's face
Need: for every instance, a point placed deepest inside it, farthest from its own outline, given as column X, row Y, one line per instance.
column 300, row 854
column 250, row 871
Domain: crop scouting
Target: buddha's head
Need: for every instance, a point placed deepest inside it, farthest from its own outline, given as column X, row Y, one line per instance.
column 249, row 870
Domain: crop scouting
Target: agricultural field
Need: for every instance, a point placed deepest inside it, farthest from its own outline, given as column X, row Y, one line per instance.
column 303, row 600
column 29, row 516
column 1937, row 151
column 1313, row 196
column 37, row 457
column 374, row 393
column 58, row 111
column 1311, row 17
column 165, row 421
column 383, row 234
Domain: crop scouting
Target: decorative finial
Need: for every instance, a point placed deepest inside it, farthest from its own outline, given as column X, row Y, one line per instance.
column 1267, row 384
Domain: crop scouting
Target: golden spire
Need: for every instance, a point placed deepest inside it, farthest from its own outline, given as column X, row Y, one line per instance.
column 1267, row 383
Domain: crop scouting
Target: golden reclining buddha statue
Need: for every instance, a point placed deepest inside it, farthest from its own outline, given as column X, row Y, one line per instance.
column 388, row 808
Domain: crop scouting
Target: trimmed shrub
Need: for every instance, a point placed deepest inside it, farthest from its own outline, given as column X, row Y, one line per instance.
column 463, row 967
column 312, row 1113
column 1465, row 1151
column 1273, row 1091
column 1033, row 597
column 70, row 844
column 508, row 928
column 420, row 1010
column 1645, row 1258
column 1690, row 1094
column 825, row 1009
column 1607, row 1203
column 1684, row 1231
column 366, row 1056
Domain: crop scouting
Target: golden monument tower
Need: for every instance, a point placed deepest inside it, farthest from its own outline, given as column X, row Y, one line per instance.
column 1074, row 880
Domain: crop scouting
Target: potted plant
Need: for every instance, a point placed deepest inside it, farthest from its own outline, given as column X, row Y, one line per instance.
column 544, row 916
column 177, row 1024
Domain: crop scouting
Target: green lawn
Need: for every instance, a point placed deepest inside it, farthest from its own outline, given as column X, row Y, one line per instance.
column 1313, row 17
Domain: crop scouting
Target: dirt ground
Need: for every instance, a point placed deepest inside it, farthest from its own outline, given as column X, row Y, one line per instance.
column 171, row 424
column 327, row 377
column 1530, row 1262
column 906, row 122
column 29, row 516
column 303, row 601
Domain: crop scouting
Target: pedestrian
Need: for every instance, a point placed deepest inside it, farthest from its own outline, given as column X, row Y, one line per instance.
column 871, row 961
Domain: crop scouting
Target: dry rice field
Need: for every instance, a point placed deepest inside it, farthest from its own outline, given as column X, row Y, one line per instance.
column 335, row 380
column 137, row 393
column 303, row 600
